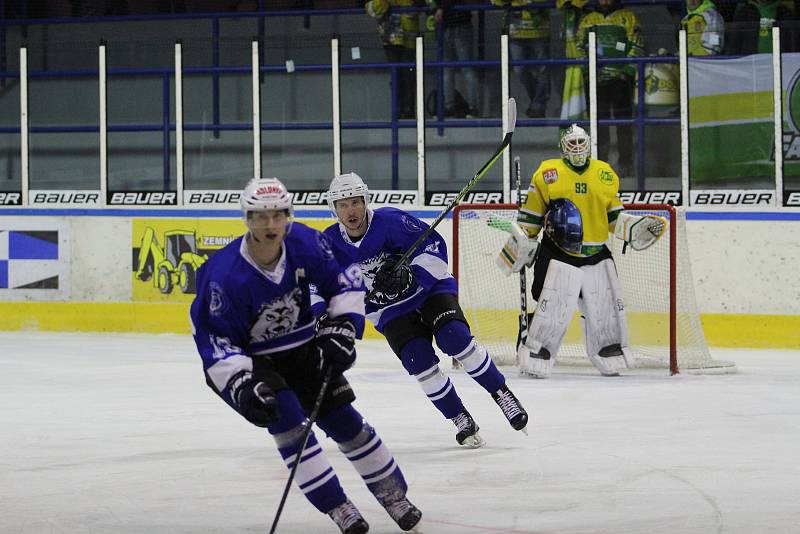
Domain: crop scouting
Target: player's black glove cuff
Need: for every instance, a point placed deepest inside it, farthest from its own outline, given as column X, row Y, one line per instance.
column 391, row 281
column 254, row 399
column 335, row 341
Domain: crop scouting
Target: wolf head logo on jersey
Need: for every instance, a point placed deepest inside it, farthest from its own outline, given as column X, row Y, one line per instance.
column 369, row 269
column 277, row 317
column 370, row 266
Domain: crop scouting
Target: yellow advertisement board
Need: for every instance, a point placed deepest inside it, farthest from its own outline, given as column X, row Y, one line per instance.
column 167, row 253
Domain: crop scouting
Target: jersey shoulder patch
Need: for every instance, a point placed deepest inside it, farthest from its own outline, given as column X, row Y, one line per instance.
column 324, row 245
column 218, row 302
column 550, row 175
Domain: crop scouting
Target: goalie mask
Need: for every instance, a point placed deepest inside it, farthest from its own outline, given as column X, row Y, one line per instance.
column 564, row 226
column 346, row 186
column 575, row 146
column 265, row 194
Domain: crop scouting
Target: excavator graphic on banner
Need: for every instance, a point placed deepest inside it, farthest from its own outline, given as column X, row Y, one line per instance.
column 173, row 264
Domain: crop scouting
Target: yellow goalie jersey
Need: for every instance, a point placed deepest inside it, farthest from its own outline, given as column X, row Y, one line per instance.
column 593, row 191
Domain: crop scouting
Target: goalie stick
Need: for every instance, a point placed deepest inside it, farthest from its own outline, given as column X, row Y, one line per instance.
column 512, row 122
column 523, row 282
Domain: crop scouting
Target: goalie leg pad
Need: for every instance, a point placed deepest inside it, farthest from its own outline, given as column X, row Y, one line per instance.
column 554, row 310
column 604, row 324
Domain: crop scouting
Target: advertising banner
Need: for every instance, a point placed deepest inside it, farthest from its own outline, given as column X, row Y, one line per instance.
column 790, row 73
column 731, row 133
column 166, row 253
column 34, row 259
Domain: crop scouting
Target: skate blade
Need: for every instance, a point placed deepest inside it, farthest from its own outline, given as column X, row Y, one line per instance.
column 474, row 441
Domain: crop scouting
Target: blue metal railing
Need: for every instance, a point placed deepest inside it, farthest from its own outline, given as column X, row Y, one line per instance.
column 639, row 120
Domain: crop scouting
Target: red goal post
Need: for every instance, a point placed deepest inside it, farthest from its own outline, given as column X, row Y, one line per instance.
column 663, row 321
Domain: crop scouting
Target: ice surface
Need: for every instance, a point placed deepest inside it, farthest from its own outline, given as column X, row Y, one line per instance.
column 119, row 433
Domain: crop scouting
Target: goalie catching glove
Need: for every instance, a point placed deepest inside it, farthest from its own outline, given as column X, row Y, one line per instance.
column 254, row 399
column 518, row 252
column 336, row 343
column 640, row 231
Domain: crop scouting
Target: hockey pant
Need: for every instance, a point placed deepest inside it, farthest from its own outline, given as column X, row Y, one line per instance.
column 595, row 290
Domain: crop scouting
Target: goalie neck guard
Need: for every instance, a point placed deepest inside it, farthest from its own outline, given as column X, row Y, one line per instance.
column 564, row 226
column 346, row 186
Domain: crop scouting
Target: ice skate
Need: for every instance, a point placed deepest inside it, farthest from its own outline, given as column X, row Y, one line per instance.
column 512, row 409
column 399, row 508
column 349, row 519
column 467, row 431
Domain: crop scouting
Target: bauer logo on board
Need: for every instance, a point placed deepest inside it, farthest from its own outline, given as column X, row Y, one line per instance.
column 142, row 198
column 380, row 197
column 206, row 198
column 650, row 197
column 439, row 198
column 733, row 198
column 65, row 198
column 10, row 199
column 791, row 198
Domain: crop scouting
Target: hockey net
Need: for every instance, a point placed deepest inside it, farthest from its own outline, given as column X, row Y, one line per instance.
column 664, row 326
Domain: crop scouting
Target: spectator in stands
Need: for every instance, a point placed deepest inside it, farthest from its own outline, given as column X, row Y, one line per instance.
column 529, row 38
column 398, row 32
column 573, row 102
column 619, row 35
column 458, row 46
column 751, row 29
column 705, row 28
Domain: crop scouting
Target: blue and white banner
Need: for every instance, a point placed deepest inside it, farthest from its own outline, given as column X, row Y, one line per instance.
column 34, row 259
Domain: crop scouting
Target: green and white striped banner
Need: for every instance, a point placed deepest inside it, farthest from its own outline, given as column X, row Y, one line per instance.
column 731, row 133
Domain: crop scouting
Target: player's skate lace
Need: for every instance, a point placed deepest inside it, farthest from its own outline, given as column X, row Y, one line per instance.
column 405, row 514
column 349, row 519
column 467, row 430
column 511, row 407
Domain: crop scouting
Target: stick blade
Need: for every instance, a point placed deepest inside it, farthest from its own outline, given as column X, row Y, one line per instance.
column 512, row 115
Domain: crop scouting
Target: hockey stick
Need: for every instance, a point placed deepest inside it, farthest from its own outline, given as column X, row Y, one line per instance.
column 326, row 380
column 523, row 282
column 512, row 122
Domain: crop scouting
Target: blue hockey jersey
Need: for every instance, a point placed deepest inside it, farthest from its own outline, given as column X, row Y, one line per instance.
column 242, row 311
column 390, row 233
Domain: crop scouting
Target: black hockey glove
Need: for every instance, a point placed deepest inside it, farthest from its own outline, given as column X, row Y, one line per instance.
column 254, row 399
column 336, row 343
column 393, row 282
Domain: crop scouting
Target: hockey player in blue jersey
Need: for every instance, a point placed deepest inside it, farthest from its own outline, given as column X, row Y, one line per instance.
column 415, row 303
column 255, row 332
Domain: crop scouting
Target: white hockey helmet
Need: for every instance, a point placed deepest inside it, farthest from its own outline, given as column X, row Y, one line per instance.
column 576, row 146
column 264, row 194
column 346, row 186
